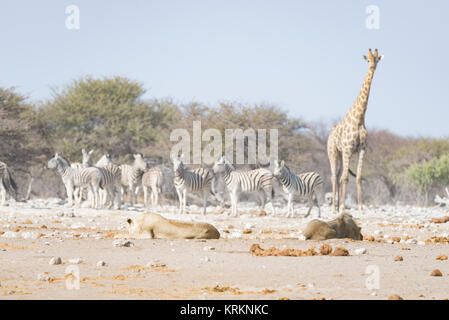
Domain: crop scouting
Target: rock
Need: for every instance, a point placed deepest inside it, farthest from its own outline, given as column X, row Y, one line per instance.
column 156, row 264
column 77, row 225
column 436, row 273
column 10, row 234
column 101, row 263
column 44, row 277
column 206, row 259
column 208, row 248
column 398, row 258
column 442, row 257
column 360, row 251
column 29, row 235
column 411, row 241
column 76, row 261
column 378, row 232
column 122, row 243
column 55, row 261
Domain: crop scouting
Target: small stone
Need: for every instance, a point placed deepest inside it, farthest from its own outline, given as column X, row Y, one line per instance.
column 101, row 263
column 122, row 243
column 378, row 232
column 436, row 273
column 156, row 264
column 76, row 261
column 442, row 257
column 360, row 251
column 208, row 248
column 411, row 241
column 398, row 258
column 55, row 261
column 44, row 277
column 206, row 259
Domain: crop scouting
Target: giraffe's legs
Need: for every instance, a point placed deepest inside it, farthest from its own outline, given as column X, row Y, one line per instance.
column 344, row 179
column 359, row 179
column 334, row 157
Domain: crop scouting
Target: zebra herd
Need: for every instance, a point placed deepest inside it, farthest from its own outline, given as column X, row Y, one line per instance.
column 104, row 183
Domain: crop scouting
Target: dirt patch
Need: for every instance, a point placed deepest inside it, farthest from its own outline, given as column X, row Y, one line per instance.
column 440, row 220
column 324, row 250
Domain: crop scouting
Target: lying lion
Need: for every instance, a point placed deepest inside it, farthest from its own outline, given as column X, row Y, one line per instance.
column 154, row 226
column 342, row 226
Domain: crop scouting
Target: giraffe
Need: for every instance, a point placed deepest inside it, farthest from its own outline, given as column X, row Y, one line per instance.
column 349, row 137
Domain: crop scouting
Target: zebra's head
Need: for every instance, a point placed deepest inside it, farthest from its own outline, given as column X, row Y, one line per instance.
column 139, row 162
column 87, row 158
column 177, row 163
column 221, row 164
column 56, row 161
column 278, row 168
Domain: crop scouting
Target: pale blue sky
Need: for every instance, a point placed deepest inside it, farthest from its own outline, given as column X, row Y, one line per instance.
column 305, row 57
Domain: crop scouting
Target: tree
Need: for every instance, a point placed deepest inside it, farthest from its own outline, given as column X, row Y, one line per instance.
column 107, row 114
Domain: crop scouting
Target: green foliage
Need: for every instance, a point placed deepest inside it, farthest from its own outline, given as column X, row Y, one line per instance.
column 426, row 174
column 106, row 114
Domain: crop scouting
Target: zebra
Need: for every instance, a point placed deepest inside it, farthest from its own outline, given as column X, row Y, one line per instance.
column 8, row 184
column 305, row 184
column 152, row 181
column 111, row 177
column 252, row 181
column 198, row 180
column 132, row 176
column 72, row 178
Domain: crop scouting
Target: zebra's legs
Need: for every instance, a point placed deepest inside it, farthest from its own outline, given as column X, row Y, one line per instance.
column 184, row 200
column 234, row 199
column 179, row 192
column 131, row 194
column 310, row 203
column 205, row 193
column 290, row 205
column 118, row 192
column 69, row 190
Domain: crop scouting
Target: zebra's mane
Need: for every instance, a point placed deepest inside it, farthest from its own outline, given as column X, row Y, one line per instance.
column 62, row 161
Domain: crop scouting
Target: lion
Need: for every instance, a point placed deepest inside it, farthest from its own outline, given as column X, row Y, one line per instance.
column 342, row 226
column 154, row 226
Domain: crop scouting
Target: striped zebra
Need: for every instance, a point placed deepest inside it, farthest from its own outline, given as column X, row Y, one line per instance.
column 252, row 181
column 152, row 181
column 304, row 184
column 7, row 185
column 72, row 178
column 132, row 176
column 198, row 180
column 110, row 180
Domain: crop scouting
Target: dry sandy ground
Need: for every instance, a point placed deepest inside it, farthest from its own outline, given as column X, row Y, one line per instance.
column 34, row 232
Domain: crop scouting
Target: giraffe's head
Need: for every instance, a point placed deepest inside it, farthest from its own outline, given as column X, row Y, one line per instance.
column 373, row 58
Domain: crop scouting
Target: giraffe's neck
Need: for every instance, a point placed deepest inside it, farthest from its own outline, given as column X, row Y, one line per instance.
column 358, row 109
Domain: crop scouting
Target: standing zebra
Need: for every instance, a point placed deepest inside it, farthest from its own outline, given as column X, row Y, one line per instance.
column 198, row 180
column 72, row 178
column 7, row 185
column 132, row 176
column 152, row 181
column 110, row 180
column 305, row 184
column 252, row 181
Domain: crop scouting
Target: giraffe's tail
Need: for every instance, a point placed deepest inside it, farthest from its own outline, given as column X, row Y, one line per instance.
column 352, row 173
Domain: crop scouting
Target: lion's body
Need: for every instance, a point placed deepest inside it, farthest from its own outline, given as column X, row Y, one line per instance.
column 154, row 226
column 342, row 226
